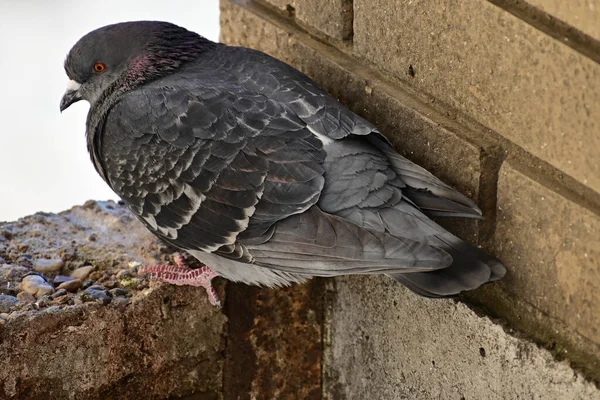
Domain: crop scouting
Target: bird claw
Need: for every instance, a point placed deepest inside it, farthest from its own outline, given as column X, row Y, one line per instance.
column 182, row 275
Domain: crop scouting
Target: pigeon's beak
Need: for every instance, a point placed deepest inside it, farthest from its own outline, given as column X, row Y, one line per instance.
column 71, row 95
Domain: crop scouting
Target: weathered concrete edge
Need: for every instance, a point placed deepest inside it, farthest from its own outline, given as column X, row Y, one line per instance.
column 381, row 332
column 156, row 364
column 522, row 320
column 532, row 324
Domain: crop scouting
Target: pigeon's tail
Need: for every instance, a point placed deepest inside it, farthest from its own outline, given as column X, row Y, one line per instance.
column 470, row 266
column 470, row 269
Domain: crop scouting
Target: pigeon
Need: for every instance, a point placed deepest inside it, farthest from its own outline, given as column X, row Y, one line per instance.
column 246, row 164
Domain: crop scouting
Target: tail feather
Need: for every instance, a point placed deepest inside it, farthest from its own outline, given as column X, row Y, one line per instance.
column 470, row 266
column 439, row 206
column 470, row 269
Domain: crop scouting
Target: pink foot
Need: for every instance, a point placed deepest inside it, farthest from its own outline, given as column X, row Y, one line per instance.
column 180, row 274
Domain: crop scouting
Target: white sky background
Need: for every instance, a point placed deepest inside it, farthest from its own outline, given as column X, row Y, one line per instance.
column 44, row 164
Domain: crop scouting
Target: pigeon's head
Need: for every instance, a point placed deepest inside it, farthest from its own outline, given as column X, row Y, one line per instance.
column 118, row 57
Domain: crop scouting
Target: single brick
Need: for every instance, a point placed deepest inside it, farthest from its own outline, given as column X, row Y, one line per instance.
column 476, row 57
column 332, row 17
column 552, row 249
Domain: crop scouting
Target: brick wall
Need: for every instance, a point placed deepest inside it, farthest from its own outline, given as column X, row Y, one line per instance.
column 499, row 98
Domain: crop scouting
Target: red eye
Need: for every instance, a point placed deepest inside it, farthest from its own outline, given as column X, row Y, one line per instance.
column 99, row 67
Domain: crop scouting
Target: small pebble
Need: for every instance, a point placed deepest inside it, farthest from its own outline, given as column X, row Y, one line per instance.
column 58, row 293
column 82, row 273
column 96, row 275
column 87, row 284
column 25, row 259
column 120, row 300
column 97, row 295
column 90, row 204
column 52, row 309
column 71, row 286
column 26, row 297
column 97, row 287
column 129, row 282
column 13, row 315
column 58, row 279
column 60, row 300
column 4, row 315
column 36, row 285
column 119, row 292
column 12, row 273
column 7, row 302
column 43, row 301
column 25, row 307
column 44, row 265
column 122, row 274
column 141, row 285
column 111, row 283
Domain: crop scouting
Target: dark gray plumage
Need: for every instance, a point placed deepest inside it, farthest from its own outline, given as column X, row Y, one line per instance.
column 244, row 162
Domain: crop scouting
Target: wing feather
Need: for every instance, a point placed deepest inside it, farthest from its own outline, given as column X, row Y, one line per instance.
column 196, row 174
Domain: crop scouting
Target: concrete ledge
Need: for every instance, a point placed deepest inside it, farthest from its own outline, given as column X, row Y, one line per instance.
column 386, row 343
column 167, row 342
column 150, row 341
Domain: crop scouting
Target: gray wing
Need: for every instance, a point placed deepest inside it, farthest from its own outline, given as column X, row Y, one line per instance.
column 370, row 184
column 325, row 116
column 224, row 170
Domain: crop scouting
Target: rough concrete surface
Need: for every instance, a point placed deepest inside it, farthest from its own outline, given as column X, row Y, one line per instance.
column 167, row 342
column 151, row 341
column 386, row 343
column 477, row 58
column 582, row 14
